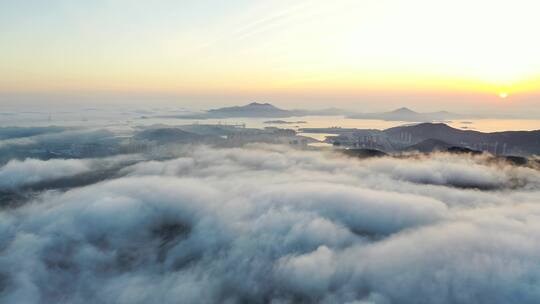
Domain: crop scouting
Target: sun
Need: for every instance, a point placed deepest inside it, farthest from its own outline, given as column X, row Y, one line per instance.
column 503, row 95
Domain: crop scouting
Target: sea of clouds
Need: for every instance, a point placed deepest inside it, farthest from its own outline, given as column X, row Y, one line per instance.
column 270, row 224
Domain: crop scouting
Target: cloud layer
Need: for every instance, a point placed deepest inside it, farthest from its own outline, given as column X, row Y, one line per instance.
column 266, row 224
column 19, row 173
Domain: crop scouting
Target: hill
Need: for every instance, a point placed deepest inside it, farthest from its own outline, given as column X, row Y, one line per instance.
column 507, row 142
column 429, row 145
column 167, row 135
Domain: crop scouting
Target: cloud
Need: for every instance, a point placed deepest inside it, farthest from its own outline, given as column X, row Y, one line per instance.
column 19, row 173
column 481, row 171
column 270, row 224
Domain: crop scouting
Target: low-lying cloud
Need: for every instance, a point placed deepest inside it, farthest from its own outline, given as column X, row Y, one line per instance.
column 267, row 224
column 18, row 173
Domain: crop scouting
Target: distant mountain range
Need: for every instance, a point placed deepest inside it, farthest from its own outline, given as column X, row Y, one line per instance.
column 253, row 109
column 267, row 110
column 406, row 114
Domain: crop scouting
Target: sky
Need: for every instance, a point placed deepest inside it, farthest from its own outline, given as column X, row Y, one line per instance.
column 372, row 54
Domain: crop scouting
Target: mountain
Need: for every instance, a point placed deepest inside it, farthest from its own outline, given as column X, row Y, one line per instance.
column 429, row 145
column 406, row 114
column 253, row 109
column 167, row 135
column 256, row 109
column 508, row 142
column 260, row 110
column 403, row 111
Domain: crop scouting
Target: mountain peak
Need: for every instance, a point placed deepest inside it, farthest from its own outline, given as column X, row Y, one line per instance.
column 404, row 110
column 258, row 104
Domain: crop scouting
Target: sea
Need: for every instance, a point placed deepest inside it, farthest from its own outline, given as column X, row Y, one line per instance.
column 129, row 119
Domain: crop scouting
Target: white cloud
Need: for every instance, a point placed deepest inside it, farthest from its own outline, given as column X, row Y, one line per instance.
column 18, row 173
column 269, row 224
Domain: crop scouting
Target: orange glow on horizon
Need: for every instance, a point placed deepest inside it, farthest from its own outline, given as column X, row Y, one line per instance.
column 359, row 46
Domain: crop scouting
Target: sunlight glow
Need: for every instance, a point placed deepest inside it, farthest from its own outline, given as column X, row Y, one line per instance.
column 271, row 46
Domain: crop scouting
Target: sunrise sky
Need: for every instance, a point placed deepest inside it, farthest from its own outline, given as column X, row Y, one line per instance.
column 441, row 54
